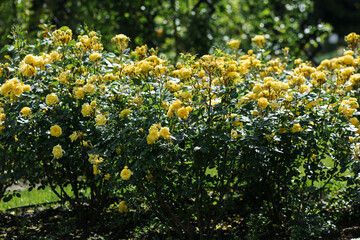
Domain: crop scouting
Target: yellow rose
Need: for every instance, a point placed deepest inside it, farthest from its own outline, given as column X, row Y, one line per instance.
column 29, row 59
column 73, row 136
column 55, row 131
column 235, row 44
column 183, row 113
column 93, row 158
column 296, row 128
column 86, row 110
column 152, row 137
column 263, row 102
column 259, row 40
column 234, row 134
column 176, row 105
column 185, row 73
column 57, row 151
column 124, row 113
column 122, row 207
column 25, row 111
column 64, row 77
column 95, row 56
column 354, row 121
column 165, row 133
column 96, row 171
column 79, row 93
column 26, row 88
column 125, row 173
column 51, row 99
column 89, row 88
column 100, row 120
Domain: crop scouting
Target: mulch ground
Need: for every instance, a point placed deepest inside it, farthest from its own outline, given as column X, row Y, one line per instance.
column 61, row 223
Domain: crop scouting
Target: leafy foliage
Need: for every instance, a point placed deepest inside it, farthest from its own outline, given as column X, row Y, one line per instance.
column 232, row 135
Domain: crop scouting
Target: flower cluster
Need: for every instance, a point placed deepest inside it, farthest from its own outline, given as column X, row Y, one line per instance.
column 14, row 88
column 156, row 131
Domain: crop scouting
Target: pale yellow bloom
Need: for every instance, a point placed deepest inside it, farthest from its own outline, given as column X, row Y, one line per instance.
column 235, row 44
column 152, row 137
column 165, row 133
column 57, row 151
column 95, row 56
column 96, row 171
column 100, row 120
column 86, row 110
column 73, row 136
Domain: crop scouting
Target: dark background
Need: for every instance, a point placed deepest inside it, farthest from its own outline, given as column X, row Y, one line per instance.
column 194, row 26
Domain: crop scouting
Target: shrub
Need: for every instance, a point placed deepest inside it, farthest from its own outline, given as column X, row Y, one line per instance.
column 227, row 138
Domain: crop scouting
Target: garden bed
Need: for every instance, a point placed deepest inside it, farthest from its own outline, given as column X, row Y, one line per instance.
column 58, row 222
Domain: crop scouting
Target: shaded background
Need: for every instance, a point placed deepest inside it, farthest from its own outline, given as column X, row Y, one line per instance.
column 313, row 29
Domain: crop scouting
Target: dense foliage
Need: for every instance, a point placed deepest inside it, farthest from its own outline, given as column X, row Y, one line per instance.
column 268, row 142
column 176, row 26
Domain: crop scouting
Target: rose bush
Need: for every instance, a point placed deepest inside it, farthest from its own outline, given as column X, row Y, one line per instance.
column 210, row 141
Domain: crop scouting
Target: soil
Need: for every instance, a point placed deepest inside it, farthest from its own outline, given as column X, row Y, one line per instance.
column 49, row 222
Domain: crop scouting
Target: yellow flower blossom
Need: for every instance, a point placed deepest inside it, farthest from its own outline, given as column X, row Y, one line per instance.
column 183, row 112
column 235, row 44
column 100, row 120
column 96, row 171
column 86, row 110
column 354, row 121
column 57, row 151
column 263, row 102
column 165, row 133
column 259, row 40
column 124, row 113
column 55, row 131
column 125, row 173
column 95, row 56
column 296, row 128
column 73, row 136
column 123, row 207
column 25, row 111
column 51, row 99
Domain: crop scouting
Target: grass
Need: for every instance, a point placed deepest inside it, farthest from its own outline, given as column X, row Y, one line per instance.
column 333, row 184
column 46, row 195
column 33, row 197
